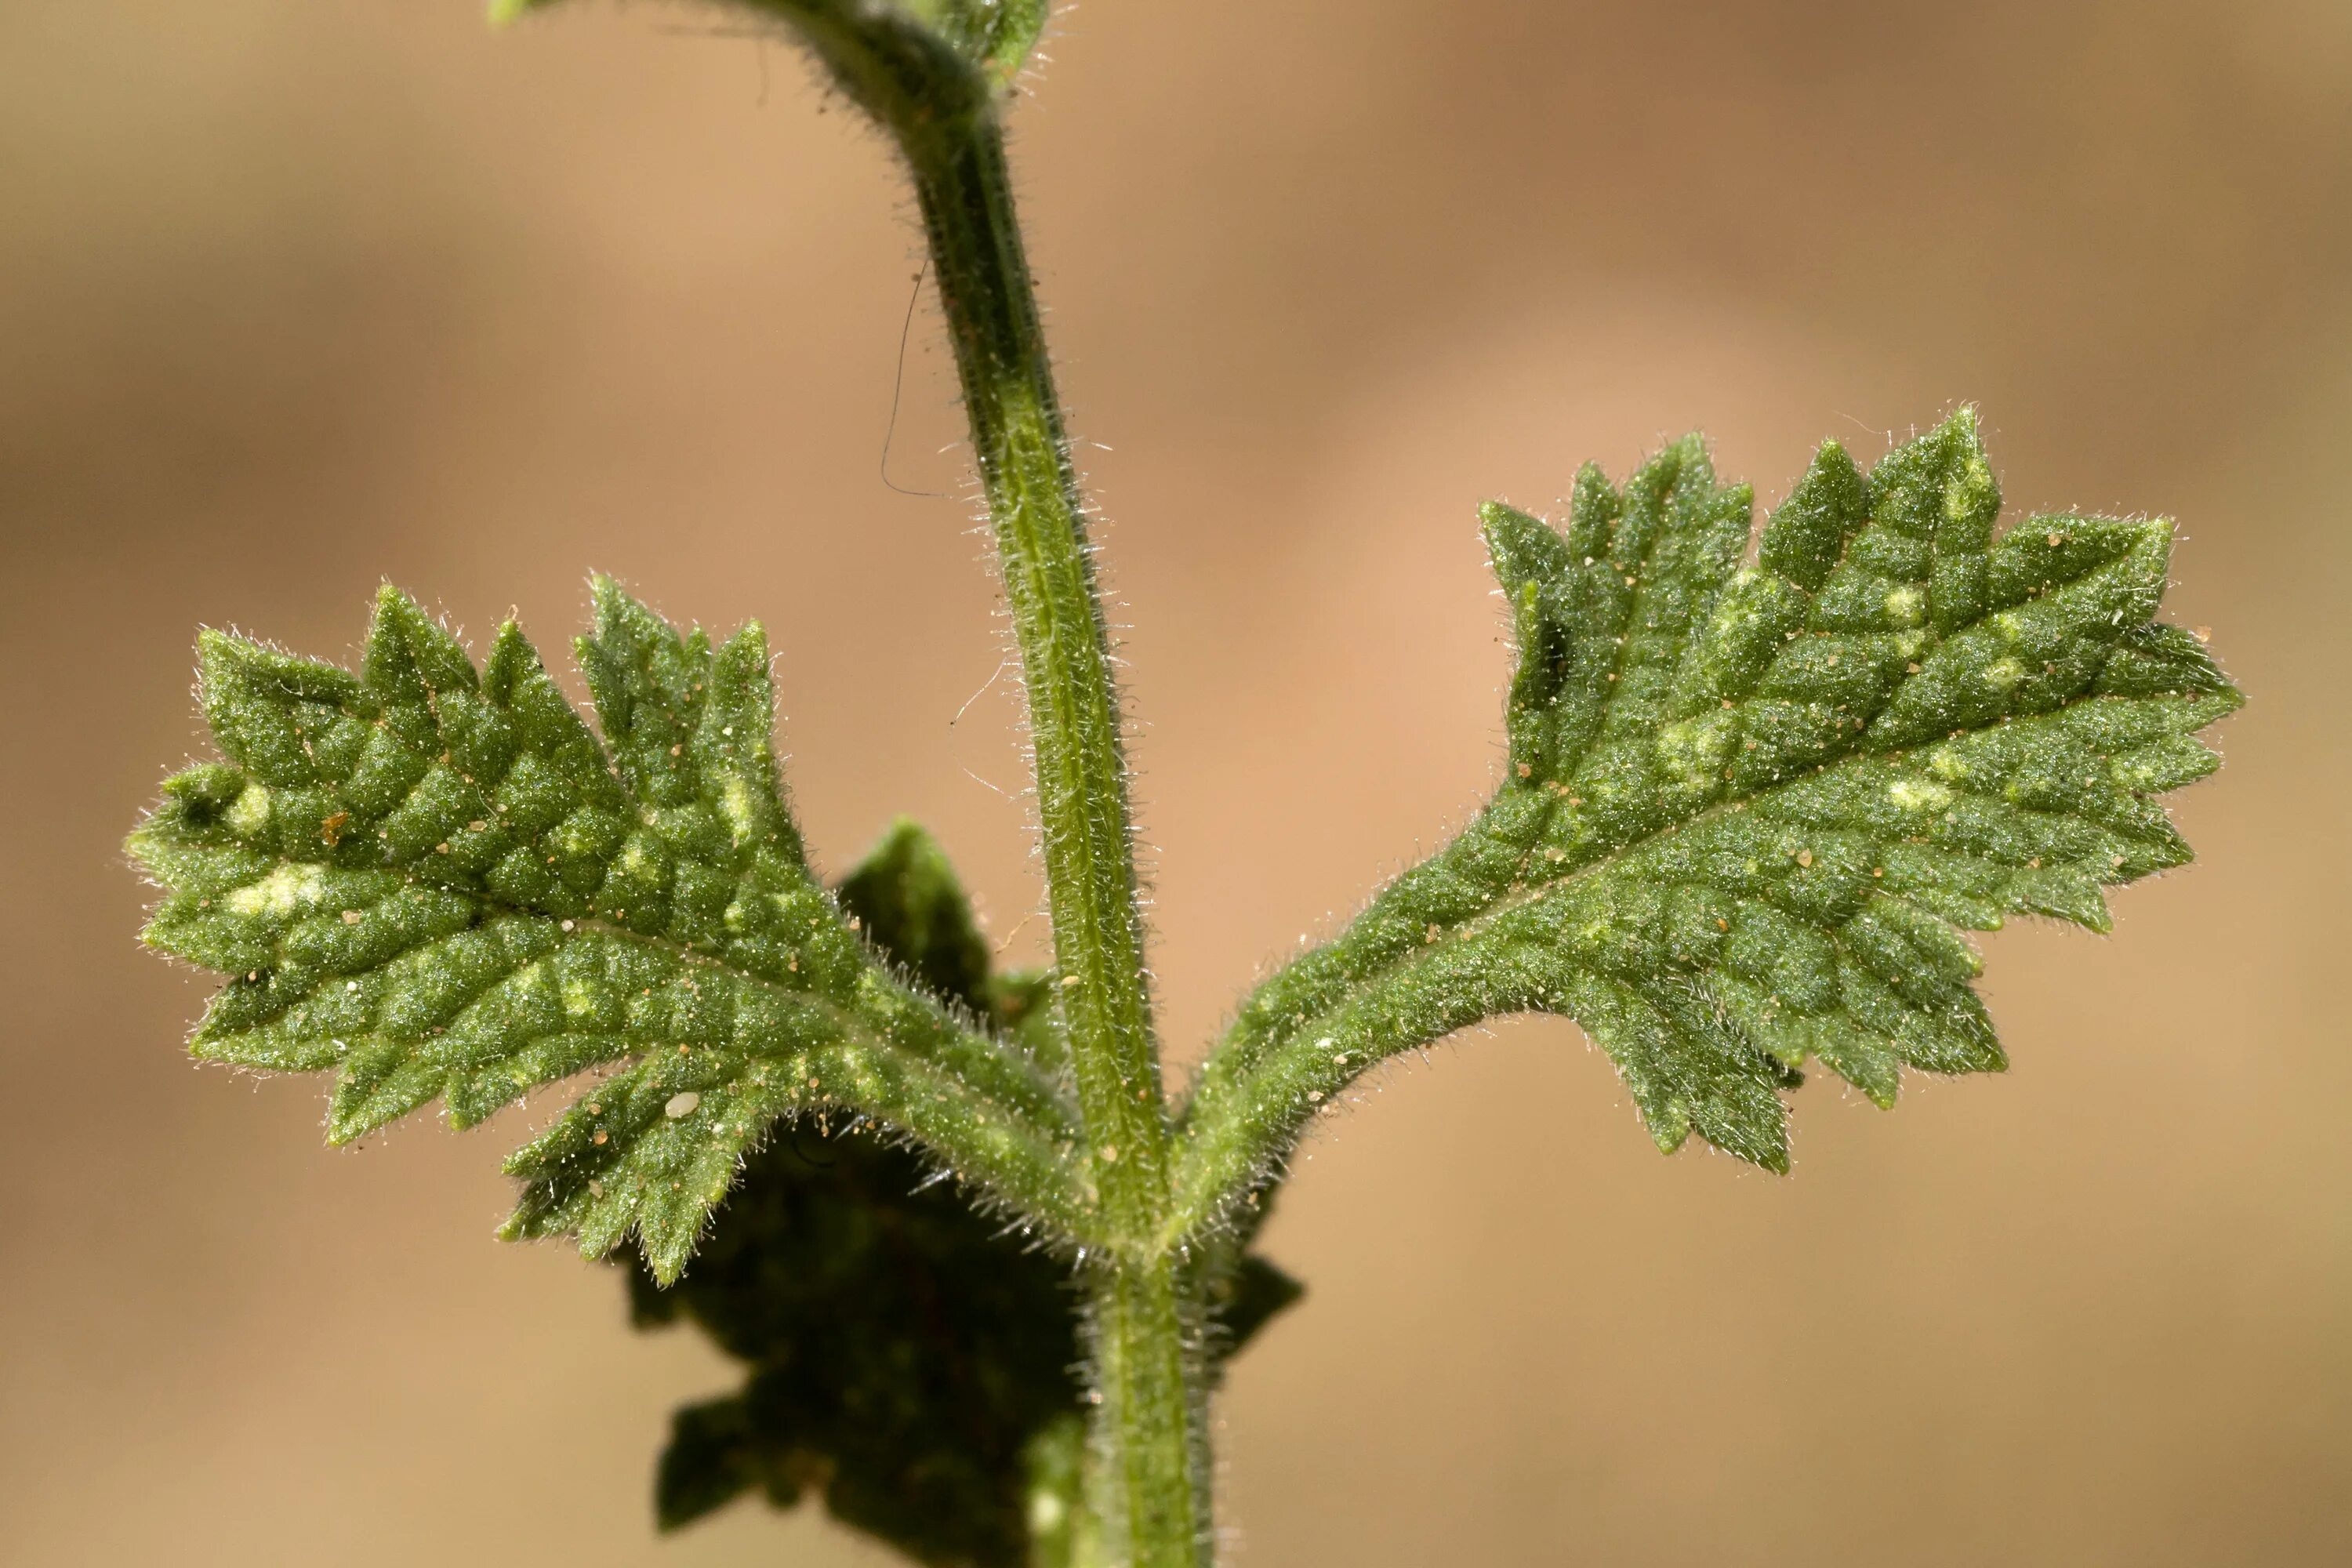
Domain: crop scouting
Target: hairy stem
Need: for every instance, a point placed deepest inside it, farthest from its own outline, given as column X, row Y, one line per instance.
column 1147, row 1437
column 937, row 89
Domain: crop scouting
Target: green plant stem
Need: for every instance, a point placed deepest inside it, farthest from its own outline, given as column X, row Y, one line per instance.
column 1147, row 1436
column 1149, row 1492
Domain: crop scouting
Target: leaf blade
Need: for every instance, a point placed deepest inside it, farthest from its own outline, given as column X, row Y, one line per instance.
column 1746, row 806
column 434, row 881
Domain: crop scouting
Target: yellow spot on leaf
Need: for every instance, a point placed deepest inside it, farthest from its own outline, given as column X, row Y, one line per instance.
column 249, row 813
column 284, row 890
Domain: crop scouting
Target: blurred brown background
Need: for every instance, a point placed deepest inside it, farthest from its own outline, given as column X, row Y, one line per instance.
column 298, row 294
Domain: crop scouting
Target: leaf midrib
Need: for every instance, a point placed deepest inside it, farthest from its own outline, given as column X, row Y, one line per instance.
column 1520, row 894
column 850, row 1024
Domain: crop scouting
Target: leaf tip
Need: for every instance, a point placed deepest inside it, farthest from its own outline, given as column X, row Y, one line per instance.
column 1960, row 432
column 397, row 621
column 1494, row 514
column 666, row 1255
column 748, row 648
column 214, row 643
column 223, row 661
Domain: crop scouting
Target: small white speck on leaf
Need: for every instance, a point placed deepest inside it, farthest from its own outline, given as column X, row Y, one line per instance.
column 682, row 1105
column 1111, row 1154
column 350, row 917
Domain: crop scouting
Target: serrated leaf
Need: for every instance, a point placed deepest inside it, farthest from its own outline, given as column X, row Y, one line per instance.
column 907, row 1362
column 1747, row 805
column 436, row 882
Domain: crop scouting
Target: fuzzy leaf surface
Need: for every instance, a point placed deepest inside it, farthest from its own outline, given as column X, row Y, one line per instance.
column 435, row 882
column 1750, row 808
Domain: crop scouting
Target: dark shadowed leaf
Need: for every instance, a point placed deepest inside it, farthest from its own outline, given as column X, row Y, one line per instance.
column 905, row 1360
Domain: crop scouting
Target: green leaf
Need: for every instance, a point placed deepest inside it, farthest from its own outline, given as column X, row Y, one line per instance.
column 907, row 1360
column 910, row 904
column 436, row 882
column 1747, row 805
column 907, row 899
column 901, row 1357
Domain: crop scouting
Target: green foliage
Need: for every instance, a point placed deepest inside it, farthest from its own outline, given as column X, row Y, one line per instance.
column 436, row 882
column 1747, row 805
column 907, row 1359
column 1749, row 811
column 902, row 1358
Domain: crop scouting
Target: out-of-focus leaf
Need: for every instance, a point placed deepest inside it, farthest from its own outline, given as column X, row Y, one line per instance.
column 905, row 1360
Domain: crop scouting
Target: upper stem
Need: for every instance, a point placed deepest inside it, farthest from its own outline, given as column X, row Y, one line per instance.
column 1147, row 1431
column 937, row 92
column 1047, row 563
